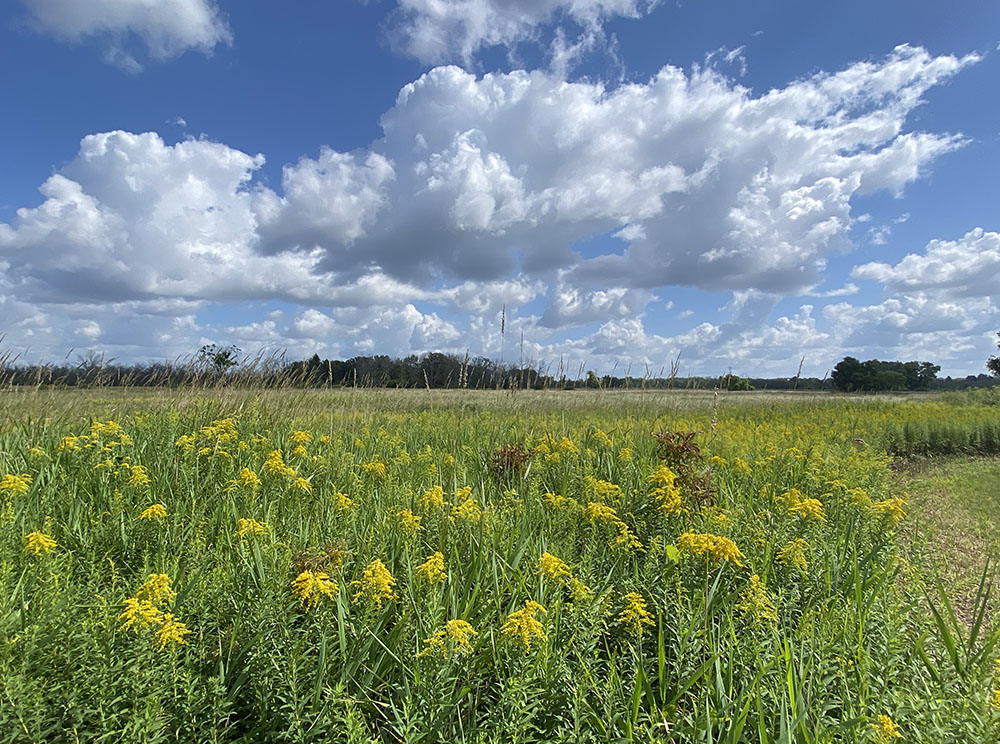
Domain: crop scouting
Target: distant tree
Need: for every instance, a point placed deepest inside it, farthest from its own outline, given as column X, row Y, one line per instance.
column 734, row 382
column 993, row 363
column 850, row 375
column 218, row 358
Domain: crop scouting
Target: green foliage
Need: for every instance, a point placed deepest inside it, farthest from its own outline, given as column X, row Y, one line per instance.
column 755, row 648
column 850, row 375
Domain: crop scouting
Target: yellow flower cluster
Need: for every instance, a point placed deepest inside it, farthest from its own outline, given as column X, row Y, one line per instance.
column 466, row 508
column 311, row 586
column 522, row 627
column 38, row 543
column 806, row 508
column 156, row 511
column 794, row 552
column 246, row 527
column 303, row 436
column 635, row 615
column 891, row 508
column 248, row 479
column 596, row 512
column 138, row 476
column 410, row 522
column 714, row 547
column 454, row 638
column 552, row 567
column 147, row 608
column 432, row 570
column 375, row 468
column 885, row 730
column 756, row 603
column 433, row 498
column 343, row 501
column 14, row 485
column 275, row 465
column 666, row 492
column 558, row 501
column 375, row 584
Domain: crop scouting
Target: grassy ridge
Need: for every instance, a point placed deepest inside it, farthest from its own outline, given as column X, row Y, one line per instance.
column 614, row 585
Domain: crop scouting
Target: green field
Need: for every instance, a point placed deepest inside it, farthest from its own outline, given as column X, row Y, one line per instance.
column 444, row 566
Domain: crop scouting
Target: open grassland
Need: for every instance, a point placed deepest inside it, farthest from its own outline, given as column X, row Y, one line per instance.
column 448, row 566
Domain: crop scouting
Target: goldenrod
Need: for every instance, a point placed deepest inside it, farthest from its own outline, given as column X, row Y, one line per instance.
column 375, row 584
column 716, row 547
column 15, row 484
column 156, row 511
column 311, row 586
column 38, row 543
column 522, row 627
column 432, row 570
column 635, row 615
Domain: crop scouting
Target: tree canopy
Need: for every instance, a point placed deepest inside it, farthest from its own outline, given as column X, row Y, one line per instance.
column 851, row 375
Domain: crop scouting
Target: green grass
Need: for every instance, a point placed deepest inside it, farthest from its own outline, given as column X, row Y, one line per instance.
column 755, row 648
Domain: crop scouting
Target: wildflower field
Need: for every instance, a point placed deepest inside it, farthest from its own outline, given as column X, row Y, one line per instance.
column 380, row 566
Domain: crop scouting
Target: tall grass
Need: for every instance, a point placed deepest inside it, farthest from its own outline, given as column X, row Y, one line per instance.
column 811, row 632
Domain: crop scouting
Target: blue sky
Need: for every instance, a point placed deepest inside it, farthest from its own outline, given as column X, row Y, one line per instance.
column 741, row 184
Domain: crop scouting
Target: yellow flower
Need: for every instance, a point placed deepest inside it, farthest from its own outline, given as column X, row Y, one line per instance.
column 301, row 437
column 248, row 479
column 740, row 466
column 246, row 527
column 809, row 509
column 71, row 443
column 559, row 501
column 552, row 568
column 410, row 522
column 275, row 465
column 715, row 547
column 36, row 453
column 156, row 590
column 886, row 730
column 138, row 476
column 38, row 543
column 893, row 508
column 756, row 602
column 15, row 484
column 456, row 637
column 375, row 468
column 566, row 445
column 432, row 570
column 468, row 510
column 311, row 586
column 625, row 454
column 156, row 511
column 635, row 614
column 625, row 539
column 171, row 630
column 433, row 498
column 302, row 485
column 794, row 552
column 139, row 614
column 375, row 584
column 300, row 451
column 344, row 502
column 602, row 489
column 522, row 627
column 599, row 513
column 995, row 700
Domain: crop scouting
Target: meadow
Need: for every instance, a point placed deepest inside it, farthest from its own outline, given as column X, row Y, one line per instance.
column 471, row 566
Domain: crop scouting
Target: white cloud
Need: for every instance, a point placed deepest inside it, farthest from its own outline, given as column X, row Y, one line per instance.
column 479, row 195
column 166, row 28
column 969, row 267
column 437, row 31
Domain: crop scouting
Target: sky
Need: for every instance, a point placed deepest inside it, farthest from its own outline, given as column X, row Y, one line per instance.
column 618, row 184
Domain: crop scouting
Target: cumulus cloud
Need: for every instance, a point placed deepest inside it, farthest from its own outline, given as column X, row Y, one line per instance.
column 481, row 193
column 969, row 267
column 437, row 31
column 166, row 28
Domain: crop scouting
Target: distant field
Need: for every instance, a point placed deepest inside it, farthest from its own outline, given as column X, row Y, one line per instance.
column 482, row 566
